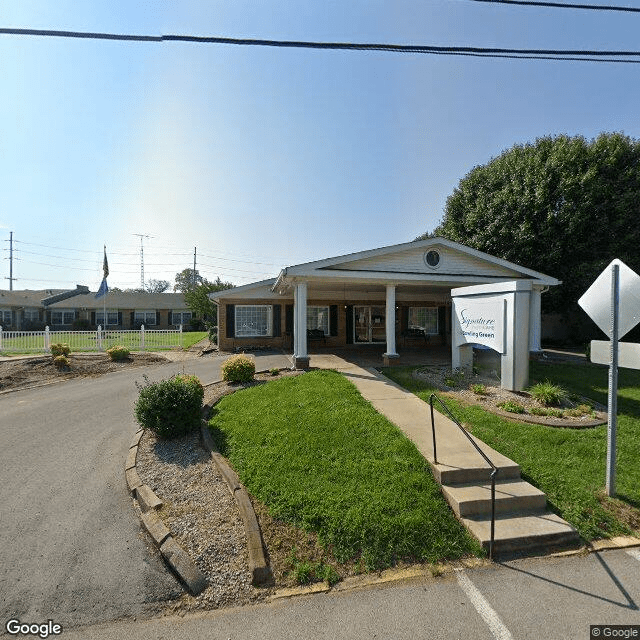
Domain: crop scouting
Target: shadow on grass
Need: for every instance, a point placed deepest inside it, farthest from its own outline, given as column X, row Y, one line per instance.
column 220, row 440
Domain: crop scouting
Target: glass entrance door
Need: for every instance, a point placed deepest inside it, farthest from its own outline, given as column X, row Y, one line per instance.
column 369, row 325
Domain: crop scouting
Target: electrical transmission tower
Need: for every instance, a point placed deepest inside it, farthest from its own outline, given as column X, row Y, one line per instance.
column 141, row 236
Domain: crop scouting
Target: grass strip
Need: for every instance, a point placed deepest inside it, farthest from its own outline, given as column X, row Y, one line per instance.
column 320, row 457
column 569, row 465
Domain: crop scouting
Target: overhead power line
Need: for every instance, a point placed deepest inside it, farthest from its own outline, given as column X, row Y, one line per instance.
column 584, row 55
column 564, row 5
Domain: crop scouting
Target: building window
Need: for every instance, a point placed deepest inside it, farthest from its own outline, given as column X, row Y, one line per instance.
column 147, row 318
column 112, row 317
column 31, row 315
column 180, row 317
column 318, row 318
column 5, row 317
column 424, row 318
column 253, row 320
column 62, row 316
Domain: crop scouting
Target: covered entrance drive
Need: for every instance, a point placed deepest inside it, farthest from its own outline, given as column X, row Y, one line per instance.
column 395, row 298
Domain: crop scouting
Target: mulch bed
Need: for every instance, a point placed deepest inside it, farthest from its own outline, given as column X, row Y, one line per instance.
column 29, row 372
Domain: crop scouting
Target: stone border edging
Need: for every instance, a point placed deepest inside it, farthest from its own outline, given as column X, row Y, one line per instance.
column 171, row 551
column 260, row 571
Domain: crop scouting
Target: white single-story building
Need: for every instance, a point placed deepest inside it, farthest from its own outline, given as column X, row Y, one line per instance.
column 397, row 296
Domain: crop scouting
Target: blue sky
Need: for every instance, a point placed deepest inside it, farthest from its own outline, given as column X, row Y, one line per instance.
column 263, row 157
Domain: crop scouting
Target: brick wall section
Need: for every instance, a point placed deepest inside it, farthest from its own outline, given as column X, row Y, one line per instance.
column 285, row 341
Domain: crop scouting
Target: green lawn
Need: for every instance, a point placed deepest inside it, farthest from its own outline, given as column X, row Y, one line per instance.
column 569, row 465
column 86, row 341
column 320, row 457
column 189, row 338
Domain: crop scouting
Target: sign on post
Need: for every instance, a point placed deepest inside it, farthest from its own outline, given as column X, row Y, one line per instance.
column 479, row 322
column 613, row 303
column 628, row 353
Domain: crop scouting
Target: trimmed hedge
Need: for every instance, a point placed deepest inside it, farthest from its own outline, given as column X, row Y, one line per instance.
column 60, row 349
column 238, row 368
column 170, row 408
column 118, row 353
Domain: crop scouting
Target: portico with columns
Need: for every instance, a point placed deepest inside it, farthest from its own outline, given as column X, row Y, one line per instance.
column 397, row 297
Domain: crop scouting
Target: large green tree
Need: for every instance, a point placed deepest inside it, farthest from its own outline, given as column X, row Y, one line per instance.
column 196, row 293
column 563, row 205
column 187, row 279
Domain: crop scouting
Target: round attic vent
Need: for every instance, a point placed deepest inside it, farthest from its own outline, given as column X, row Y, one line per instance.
column 432, row 259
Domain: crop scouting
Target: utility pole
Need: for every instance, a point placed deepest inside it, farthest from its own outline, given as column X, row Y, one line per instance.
column 10, row 260
column 10, row 278
column 141, row 236
column 195, row 249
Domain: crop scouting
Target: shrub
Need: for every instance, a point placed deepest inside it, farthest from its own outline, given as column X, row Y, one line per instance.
column 81, row 324
column 170, row 408
column 195, row 324
column 118, row 353
column 238, row 368
column 547, row 393
column 538, row 411
column 275, row 371
column 512, row 407
column 60, row 349
column 213, row 334
column 61, row 362
column 454, row 378
column 479, row 389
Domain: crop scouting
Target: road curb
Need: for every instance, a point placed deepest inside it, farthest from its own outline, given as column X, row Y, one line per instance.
column 260, row 571
column 175, row 556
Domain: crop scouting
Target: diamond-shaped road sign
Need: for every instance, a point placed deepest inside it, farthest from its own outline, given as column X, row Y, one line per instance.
column 596, row 301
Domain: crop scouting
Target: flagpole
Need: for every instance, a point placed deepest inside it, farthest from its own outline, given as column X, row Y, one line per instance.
column 104, row 302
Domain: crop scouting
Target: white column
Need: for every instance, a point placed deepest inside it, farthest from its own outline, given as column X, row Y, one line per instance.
column 535, row 320
column 300, row 320
column 391, row 321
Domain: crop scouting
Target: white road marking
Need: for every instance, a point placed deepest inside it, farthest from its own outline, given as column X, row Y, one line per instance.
column 499, row 631
column 634, row 553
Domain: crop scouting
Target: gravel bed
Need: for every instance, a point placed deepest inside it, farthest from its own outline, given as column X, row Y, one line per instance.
column 202, row 515
column 494, row 395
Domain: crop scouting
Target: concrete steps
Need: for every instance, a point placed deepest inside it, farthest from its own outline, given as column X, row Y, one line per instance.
column 522, row 522
column 472, row 500
column 528, row 532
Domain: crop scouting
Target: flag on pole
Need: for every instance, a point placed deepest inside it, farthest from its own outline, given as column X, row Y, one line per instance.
column 102, row 291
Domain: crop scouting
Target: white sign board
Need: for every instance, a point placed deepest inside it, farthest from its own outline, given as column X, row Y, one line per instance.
column 479, row 322
column 628, row 353
column 596, row 301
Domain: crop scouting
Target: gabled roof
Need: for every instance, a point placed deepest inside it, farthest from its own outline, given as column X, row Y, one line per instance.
column 262, row 289
column 26, row 297
column 400, row 264
column 407, row 262
column 124, row 300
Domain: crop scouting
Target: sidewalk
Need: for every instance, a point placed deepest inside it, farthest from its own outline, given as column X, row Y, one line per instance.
column 522, row 523
column 413, row 417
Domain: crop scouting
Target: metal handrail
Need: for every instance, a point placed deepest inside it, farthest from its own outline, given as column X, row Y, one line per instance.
column 494, row 471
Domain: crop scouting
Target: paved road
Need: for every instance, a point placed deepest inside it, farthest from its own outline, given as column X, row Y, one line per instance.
column 555, row 599
column 70, row 546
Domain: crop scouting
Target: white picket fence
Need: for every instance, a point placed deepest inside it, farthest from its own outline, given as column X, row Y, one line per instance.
column 99, row 340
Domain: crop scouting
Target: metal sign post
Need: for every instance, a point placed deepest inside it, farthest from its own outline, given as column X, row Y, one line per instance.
column 616, row 318
column 612, row 413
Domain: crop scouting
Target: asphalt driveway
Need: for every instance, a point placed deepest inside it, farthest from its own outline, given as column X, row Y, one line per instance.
column 70, row 543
